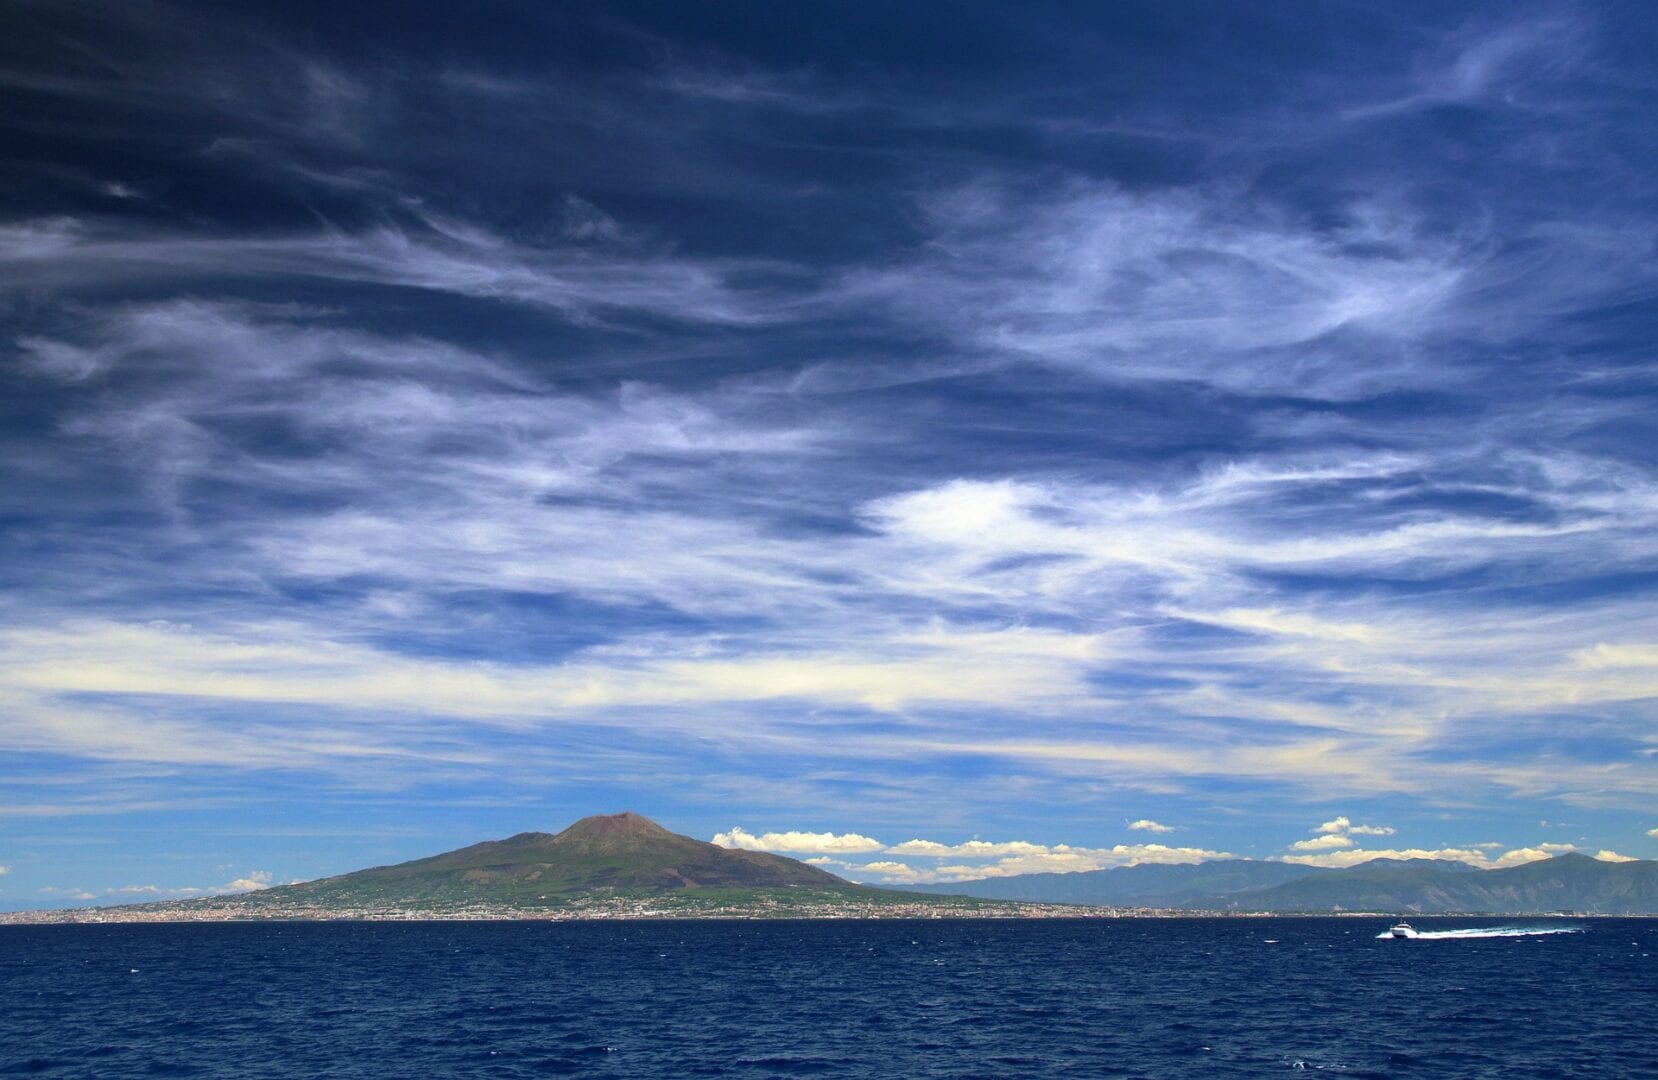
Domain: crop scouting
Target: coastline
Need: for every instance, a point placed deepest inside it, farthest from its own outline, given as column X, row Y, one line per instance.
column 644, row 911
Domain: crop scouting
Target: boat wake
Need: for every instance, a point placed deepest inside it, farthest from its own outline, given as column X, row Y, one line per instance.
column 1484, row 932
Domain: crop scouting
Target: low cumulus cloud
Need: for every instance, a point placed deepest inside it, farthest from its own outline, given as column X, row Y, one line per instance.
column 1355, row 856
column 1475, row 855
column 1009, row 858
column 1342, row 826
column 1324, row 843
column 159, row 892
column 258, row 879
column 1148, row 825
column 971, row 849
column 975, row 859
column 126, row 894
column 1333, row 845
column 895, row 871
column 1106, row 858
column 845, row 843
column 1338, row 833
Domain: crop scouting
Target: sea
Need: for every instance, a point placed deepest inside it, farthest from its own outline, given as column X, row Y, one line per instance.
column 1140, row 997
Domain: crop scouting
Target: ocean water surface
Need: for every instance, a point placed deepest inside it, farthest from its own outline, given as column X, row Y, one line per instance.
column 945, row 998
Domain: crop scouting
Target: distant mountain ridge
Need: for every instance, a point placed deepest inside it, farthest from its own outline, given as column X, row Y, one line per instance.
column 1146, row 885
column 1569, row 882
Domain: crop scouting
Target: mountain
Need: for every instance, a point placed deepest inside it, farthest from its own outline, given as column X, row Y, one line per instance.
column 1566, row 882
column 1146, row 885
column 1569, row 882
column 1378, row 885
column 605, row 864
column 624, row 852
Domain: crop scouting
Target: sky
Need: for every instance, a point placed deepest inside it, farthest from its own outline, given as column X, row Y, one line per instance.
column 931, row 440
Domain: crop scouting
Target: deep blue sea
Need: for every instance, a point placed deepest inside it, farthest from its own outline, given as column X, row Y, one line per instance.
column 968, row 998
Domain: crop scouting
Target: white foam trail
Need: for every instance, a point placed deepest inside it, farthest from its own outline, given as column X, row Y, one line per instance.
column 1487, row 932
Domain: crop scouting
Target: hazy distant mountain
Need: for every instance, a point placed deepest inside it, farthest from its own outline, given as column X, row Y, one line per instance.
column 1567, row 882
column 1147, row 885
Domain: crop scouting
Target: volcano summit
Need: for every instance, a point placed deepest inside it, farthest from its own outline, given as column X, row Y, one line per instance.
column 602, row 866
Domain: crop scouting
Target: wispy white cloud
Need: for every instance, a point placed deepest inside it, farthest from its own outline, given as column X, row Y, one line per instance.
column 276, row 664
column 1021, row 549
column 1170, row 285
column 1148, row 825
column 1312, row 548
column 1506, row 65
column 435, row 254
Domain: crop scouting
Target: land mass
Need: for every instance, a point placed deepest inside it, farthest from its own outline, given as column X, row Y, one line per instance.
column 627, row 866
column 1568, row 882
column 605, row 866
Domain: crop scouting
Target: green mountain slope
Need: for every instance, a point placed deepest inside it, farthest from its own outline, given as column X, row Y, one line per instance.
column 623, row 852
column 602, row 858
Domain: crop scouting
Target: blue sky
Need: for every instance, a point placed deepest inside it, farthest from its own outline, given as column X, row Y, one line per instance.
column 931, row 440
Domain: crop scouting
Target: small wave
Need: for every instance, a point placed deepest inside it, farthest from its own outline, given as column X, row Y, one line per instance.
column 1487, row 932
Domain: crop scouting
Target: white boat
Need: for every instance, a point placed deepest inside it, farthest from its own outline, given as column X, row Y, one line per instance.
column 1402, row 929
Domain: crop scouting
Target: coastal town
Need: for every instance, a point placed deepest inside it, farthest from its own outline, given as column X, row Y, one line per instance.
column 577, row 910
